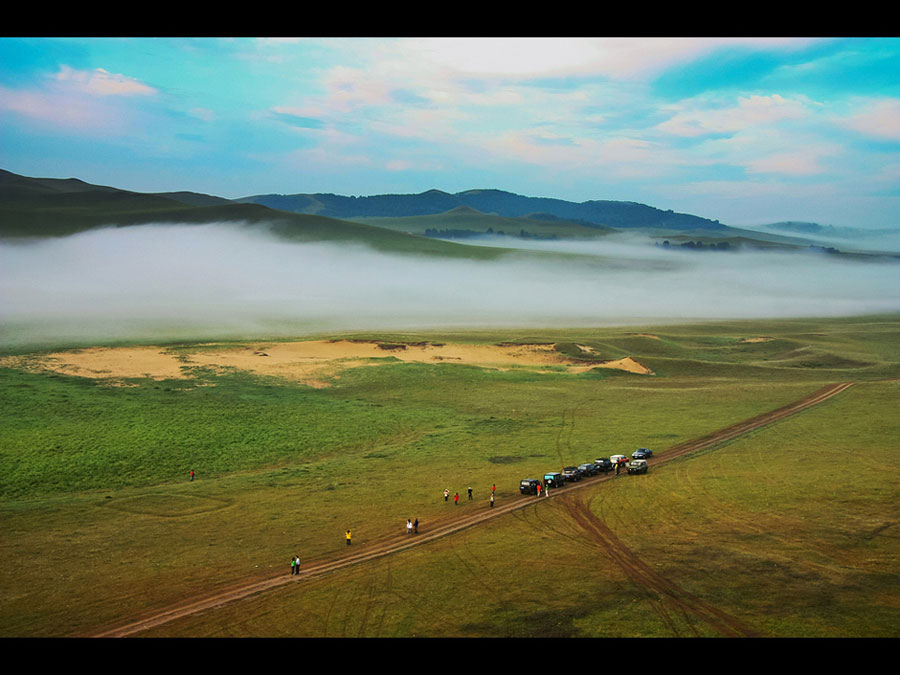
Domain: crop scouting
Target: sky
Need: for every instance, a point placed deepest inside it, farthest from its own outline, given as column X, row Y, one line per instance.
column 746, row 131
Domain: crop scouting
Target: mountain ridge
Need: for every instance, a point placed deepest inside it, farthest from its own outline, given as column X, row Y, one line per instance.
column 600, row 213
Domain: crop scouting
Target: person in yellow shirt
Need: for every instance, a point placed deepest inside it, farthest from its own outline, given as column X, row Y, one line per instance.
column 348, row 537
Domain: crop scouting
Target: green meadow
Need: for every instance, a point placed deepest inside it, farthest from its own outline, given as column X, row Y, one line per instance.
column 789, row 531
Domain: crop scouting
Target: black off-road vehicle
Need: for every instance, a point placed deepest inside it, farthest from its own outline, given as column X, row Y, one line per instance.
column 554, row 480
column 529, row 486
column 589, row 469
column 603, row 464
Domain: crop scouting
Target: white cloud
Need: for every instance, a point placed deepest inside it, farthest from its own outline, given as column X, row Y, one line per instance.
column 878, row 118
column 103, row 83
column 60, row 110
column 790, row 163
column 697, row 118
column 617, row 58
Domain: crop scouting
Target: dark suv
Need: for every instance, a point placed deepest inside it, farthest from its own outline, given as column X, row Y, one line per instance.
column 572, row 473
column 603, row 464
column 642, row 453
column 589, row 469
column 554, row 480
column 529, row 486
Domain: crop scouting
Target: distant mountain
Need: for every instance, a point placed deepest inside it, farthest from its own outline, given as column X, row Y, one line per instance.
column 493, row 202
column 51, row 207
column 409, row 224
column 830, row 231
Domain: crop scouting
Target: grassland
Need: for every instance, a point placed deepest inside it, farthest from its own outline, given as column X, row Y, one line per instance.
column 792, row 530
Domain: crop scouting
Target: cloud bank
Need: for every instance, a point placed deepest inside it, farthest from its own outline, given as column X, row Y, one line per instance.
column 193, row 282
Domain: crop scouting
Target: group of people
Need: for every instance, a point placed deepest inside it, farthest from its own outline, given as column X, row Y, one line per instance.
column 412, row 526
column 469, row 490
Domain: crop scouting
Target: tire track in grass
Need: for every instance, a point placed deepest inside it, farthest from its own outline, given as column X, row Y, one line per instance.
column 448, row 525
column 641, row 574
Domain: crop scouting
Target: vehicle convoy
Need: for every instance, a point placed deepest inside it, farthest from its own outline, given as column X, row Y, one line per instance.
column 529, row 486
column 554, row 480
column 637, row 466
column 571, row 474
column 603, row 464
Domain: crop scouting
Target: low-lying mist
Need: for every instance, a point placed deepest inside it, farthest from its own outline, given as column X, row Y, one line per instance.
column 169, row 282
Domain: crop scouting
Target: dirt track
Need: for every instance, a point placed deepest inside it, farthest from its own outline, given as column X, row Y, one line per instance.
column 593, row 526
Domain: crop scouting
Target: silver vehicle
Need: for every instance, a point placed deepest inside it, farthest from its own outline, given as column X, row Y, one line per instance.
column 637, row 466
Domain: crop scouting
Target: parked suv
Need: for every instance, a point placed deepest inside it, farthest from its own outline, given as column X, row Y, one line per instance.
column 529, row 486
column 642, row 453
column 572, row 473
column 554, row 480
column 603, row 464
column 637, row 466
column 589, row 469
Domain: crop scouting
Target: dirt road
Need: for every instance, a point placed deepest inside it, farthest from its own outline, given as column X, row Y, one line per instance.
column 390, row 544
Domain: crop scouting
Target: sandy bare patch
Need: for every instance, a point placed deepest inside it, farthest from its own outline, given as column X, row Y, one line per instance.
column 628, row 364
column 107, row 362
column 646, row 335
column 758, row 339
column 314, row 362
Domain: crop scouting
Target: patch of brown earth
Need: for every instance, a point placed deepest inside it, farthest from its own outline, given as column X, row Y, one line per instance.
column 107, row 362
column 312, row 362
column 628, row 364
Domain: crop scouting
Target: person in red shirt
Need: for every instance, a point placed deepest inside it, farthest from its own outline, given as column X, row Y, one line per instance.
column 456, row 499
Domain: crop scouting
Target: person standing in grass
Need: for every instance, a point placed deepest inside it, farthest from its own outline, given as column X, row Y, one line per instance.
column 192, row 475
column 409, row 526
column 456, row 499
column 416, row 526
column 293, row 565
column 446, row 494
column 348, row 537
column 492, row 500
column 470, row 494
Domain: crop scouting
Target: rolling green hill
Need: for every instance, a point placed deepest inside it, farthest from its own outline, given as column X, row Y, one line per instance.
column 46, row 207
column 464, row 221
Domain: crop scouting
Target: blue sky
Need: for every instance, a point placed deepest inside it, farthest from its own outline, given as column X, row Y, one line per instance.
column 746, row 131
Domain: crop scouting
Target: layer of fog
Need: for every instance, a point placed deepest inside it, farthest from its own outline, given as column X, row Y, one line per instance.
column 193, row 282
column 882, row 240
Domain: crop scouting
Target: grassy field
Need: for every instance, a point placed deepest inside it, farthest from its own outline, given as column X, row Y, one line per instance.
column 790, row 531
